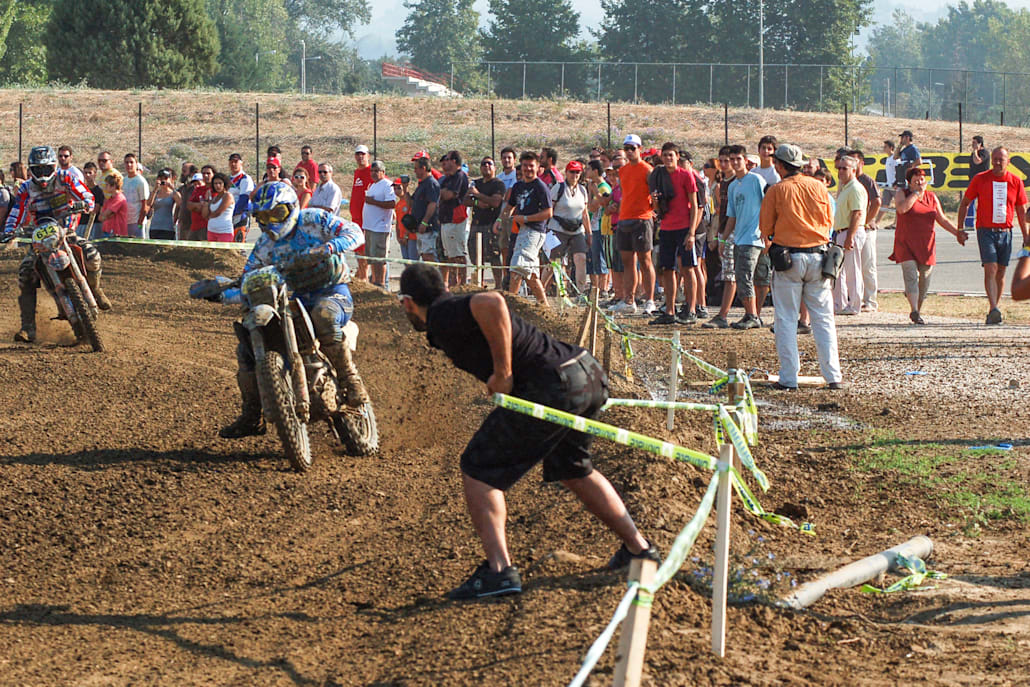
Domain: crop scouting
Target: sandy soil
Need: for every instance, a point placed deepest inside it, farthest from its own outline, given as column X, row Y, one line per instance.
column 138, row 548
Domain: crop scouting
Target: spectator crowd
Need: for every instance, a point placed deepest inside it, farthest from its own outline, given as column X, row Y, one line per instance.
column 650, row 230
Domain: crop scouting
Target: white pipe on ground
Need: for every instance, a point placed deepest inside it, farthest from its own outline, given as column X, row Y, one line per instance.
column 858, row 572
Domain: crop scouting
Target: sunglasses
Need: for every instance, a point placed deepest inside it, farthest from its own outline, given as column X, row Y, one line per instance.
column 323, row 171
column 65, row 156
column 103, row 159
column 276, row 214
column 298, row 176
column 629, row 147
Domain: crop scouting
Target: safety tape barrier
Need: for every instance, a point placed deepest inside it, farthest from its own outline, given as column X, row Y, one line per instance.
column 919, row 573
column 662, row 405
column 175, row 244
column 673, row 562
column 649, row 444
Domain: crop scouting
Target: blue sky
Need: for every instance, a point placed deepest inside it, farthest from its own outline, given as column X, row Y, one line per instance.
column 377, row 38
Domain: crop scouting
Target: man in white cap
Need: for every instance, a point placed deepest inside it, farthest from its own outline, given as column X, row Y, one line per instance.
column 634, row 235
column 362, row 180
column 796, row 219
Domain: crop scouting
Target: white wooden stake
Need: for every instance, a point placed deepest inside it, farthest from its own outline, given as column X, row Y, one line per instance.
column 674, row 377
column 479, row 259
column 720, row 578
column 629, row 661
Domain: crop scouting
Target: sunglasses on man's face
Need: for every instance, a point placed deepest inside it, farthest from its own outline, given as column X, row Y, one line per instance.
column 323, row 171
column 64, row 156
column 103, row 159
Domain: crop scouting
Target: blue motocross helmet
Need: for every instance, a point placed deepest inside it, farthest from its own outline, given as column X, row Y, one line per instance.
column 275, row 208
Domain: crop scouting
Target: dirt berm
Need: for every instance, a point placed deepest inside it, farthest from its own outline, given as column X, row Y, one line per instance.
column 136, row 547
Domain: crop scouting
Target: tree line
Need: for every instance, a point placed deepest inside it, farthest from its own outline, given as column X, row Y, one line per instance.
column 245, row 45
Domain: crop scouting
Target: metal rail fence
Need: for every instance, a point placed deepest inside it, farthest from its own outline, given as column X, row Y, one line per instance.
column 909, row 92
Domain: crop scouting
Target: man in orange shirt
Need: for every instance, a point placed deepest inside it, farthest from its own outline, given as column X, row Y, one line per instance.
column 634, row 235
column 796, row 219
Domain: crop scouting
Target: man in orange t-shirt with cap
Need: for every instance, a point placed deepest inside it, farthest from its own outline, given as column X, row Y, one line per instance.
column 634, row 235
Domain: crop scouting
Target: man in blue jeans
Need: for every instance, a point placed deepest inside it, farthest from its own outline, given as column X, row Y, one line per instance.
column 999, row 196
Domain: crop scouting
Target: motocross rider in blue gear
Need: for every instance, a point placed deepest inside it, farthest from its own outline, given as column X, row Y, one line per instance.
column 307, row 247
column 58, row 194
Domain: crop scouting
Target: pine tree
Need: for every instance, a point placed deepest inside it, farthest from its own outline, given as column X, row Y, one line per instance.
column 168, row 44
column 536, row 31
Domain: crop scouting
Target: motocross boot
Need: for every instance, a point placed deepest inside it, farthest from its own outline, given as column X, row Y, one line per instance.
column 352, row 389
column 250, row 422
column 27, row 305
column 93, row 279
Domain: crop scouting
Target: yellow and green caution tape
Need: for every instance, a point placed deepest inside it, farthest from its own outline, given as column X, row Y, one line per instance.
column 918, row 574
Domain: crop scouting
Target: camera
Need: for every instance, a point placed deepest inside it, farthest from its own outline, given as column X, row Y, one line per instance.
column 405, row 178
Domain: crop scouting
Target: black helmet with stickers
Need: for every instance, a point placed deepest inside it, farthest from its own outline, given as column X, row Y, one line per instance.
column 42, row 166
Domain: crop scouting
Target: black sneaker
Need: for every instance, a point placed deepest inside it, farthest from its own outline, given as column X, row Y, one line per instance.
column 665, row 318
column 622, row 557
column 781, row 387
column 804, row 328
column 747, row 322
column 717, row 322
column 994, row 316
column 686, row 318
column 484, row 583
column 701, row 312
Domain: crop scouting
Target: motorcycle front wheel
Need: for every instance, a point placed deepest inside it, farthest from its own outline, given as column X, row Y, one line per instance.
column 357, row 429
column 277, row 396
column 87, row 326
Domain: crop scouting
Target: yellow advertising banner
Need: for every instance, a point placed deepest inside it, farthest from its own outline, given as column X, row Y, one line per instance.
column 950, row 170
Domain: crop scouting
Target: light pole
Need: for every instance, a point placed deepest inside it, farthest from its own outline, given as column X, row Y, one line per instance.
column 304, row 67
column 761, row 54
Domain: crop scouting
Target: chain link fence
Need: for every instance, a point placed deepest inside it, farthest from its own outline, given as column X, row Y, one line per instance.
column 985, row 97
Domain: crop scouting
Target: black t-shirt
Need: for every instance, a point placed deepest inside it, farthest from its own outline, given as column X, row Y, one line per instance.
column 985, row 163
column 452, row 328
column 427, row 191
column 529, row 199
column 871, row 190
column 481, row 214
column 459, row 183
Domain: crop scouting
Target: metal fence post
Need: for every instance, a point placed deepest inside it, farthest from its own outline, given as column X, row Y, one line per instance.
column 523, row 80
column 786, row 79
column 563, row 79
column 636, row 69
column 820, row 87
column 929, row 92
column 711, row 77
column 673, row 84
column 598, row 82
column 749, row 85
column 489, row 82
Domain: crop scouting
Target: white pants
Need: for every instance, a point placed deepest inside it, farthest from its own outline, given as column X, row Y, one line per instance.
column 805, row 281
column 869, row 279
column 847, row 292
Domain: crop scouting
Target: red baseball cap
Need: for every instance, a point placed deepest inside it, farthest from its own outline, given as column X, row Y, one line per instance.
column 649, row 152
column 419, row 155
column 273, row 162
column 574, row 166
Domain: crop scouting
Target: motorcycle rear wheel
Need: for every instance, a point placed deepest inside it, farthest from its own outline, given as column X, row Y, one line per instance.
column 357, row 429
column 87, row 326
column 277, row 396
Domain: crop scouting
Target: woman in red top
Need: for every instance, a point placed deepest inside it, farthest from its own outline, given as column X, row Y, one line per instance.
column 300, row 185
column 915, row 248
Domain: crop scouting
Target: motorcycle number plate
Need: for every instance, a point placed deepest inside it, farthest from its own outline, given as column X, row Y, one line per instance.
column 43, row 233
column 260, row 279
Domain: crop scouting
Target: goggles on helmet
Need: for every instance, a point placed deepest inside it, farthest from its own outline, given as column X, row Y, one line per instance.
column 41, row 171
column 277, row 214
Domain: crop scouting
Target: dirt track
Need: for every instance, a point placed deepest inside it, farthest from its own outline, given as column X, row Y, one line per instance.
column 138, row 548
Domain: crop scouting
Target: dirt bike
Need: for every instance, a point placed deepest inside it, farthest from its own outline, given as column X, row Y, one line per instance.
column 62, row 270
column 296, row 381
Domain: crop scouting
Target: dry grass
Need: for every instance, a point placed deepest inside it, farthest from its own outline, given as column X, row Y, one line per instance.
column 963, row 307
column 207, row 126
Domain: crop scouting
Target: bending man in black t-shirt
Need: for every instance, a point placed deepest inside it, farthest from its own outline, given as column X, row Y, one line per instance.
column 480, row 336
